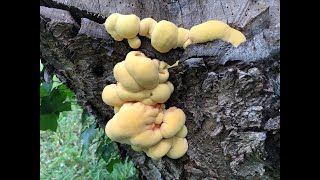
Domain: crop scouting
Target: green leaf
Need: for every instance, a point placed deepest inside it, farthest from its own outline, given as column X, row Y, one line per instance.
column 84, row 116
column 112, row 162
column 99, row 149
column 64, row 89
column 125, row 170
column 47, row 86
column 56, row 82
column 109, row 152
column 43, row 92
column 54, row 103
column 49, row 121
column 87, row 136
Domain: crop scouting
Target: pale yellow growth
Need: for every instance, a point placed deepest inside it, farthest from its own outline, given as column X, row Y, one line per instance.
column 123, row 24
column 141, row 119
column 183, row 132
column 110, row 97
column 187, row 43
column 146, row 138
column 164, row 36
column 134, row 125
column 159, row 150
column 137, row 148
column 159, row 118
column 131, row 72
column 126, row 95
column 139, row 125
column 212, row 30
column 118, row 95
column 173, row 120
column 139, row 79
column 116, row 109
column 110, row 25
column 162, row 92
column 122, row 76
column 142, row 69
column 134, row 43
column 163, row 70
column 183, row 36
column 121, row 27
column 179, row 148
column 146, row 27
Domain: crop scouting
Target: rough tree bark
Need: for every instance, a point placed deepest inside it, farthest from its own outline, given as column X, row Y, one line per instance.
column 231, row 96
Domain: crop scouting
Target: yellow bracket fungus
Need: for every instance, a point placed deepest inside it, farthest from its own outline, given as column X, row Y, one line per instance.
column 140, row 79
column 165, row 35
column 140, row 126
column 124, row 26
column 173, row 121
column 212, row 30
column 141, row 119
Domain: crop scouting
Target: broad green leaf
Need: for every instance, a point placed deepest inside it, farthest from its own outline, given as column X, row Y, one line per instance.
column 109, row 152
column 43, row 92
column 64, row 89
column 84, row 116
column 112, row 162
column 48, row 121
column 47, row 86
column 56, row 82
column 124, row 170
column 99, row 149
column 54, row 103
column 87, row 136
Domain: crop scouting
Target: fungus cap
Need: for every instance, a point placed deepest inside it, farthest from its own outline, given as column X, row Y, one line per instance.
column 122, row 76
column 134, row 42
column 127, row 96
column 173, row 120
column 179, row 148
column 110, row 97
column 137, row 148
column 164, row 36
column 142, row 69
column 160, row 149
column 183, row 36
column 134, row 124
column 183, row 132
column 127, row 26
column 146, row 27
column 211, row 30
column 110, row 25
column 162, row 92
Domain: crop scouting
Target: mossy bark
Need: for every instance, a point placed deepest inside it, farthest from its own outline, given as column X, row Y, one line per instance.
column 231, row 96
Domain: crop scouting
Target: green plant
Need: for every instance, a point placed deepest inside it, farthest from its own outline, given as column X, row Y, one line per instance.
column 55, row 98
column 71, row 147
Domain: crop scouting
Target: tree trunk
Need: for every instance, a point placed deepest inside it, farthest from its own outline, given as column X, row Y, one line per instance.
column 231, row 96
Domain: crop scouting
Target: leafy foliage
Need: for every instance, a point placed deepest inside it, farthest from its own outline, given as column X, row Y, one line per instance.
column 107, row 152
column 87, row 137
column 54, row 98
column 124, row 170
column 62, row 154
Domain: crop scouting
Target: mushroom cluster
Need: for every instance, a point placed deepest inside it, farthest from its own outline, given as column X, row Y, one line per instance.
column 139, row 79
column 141, row 119
column 165, row 35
